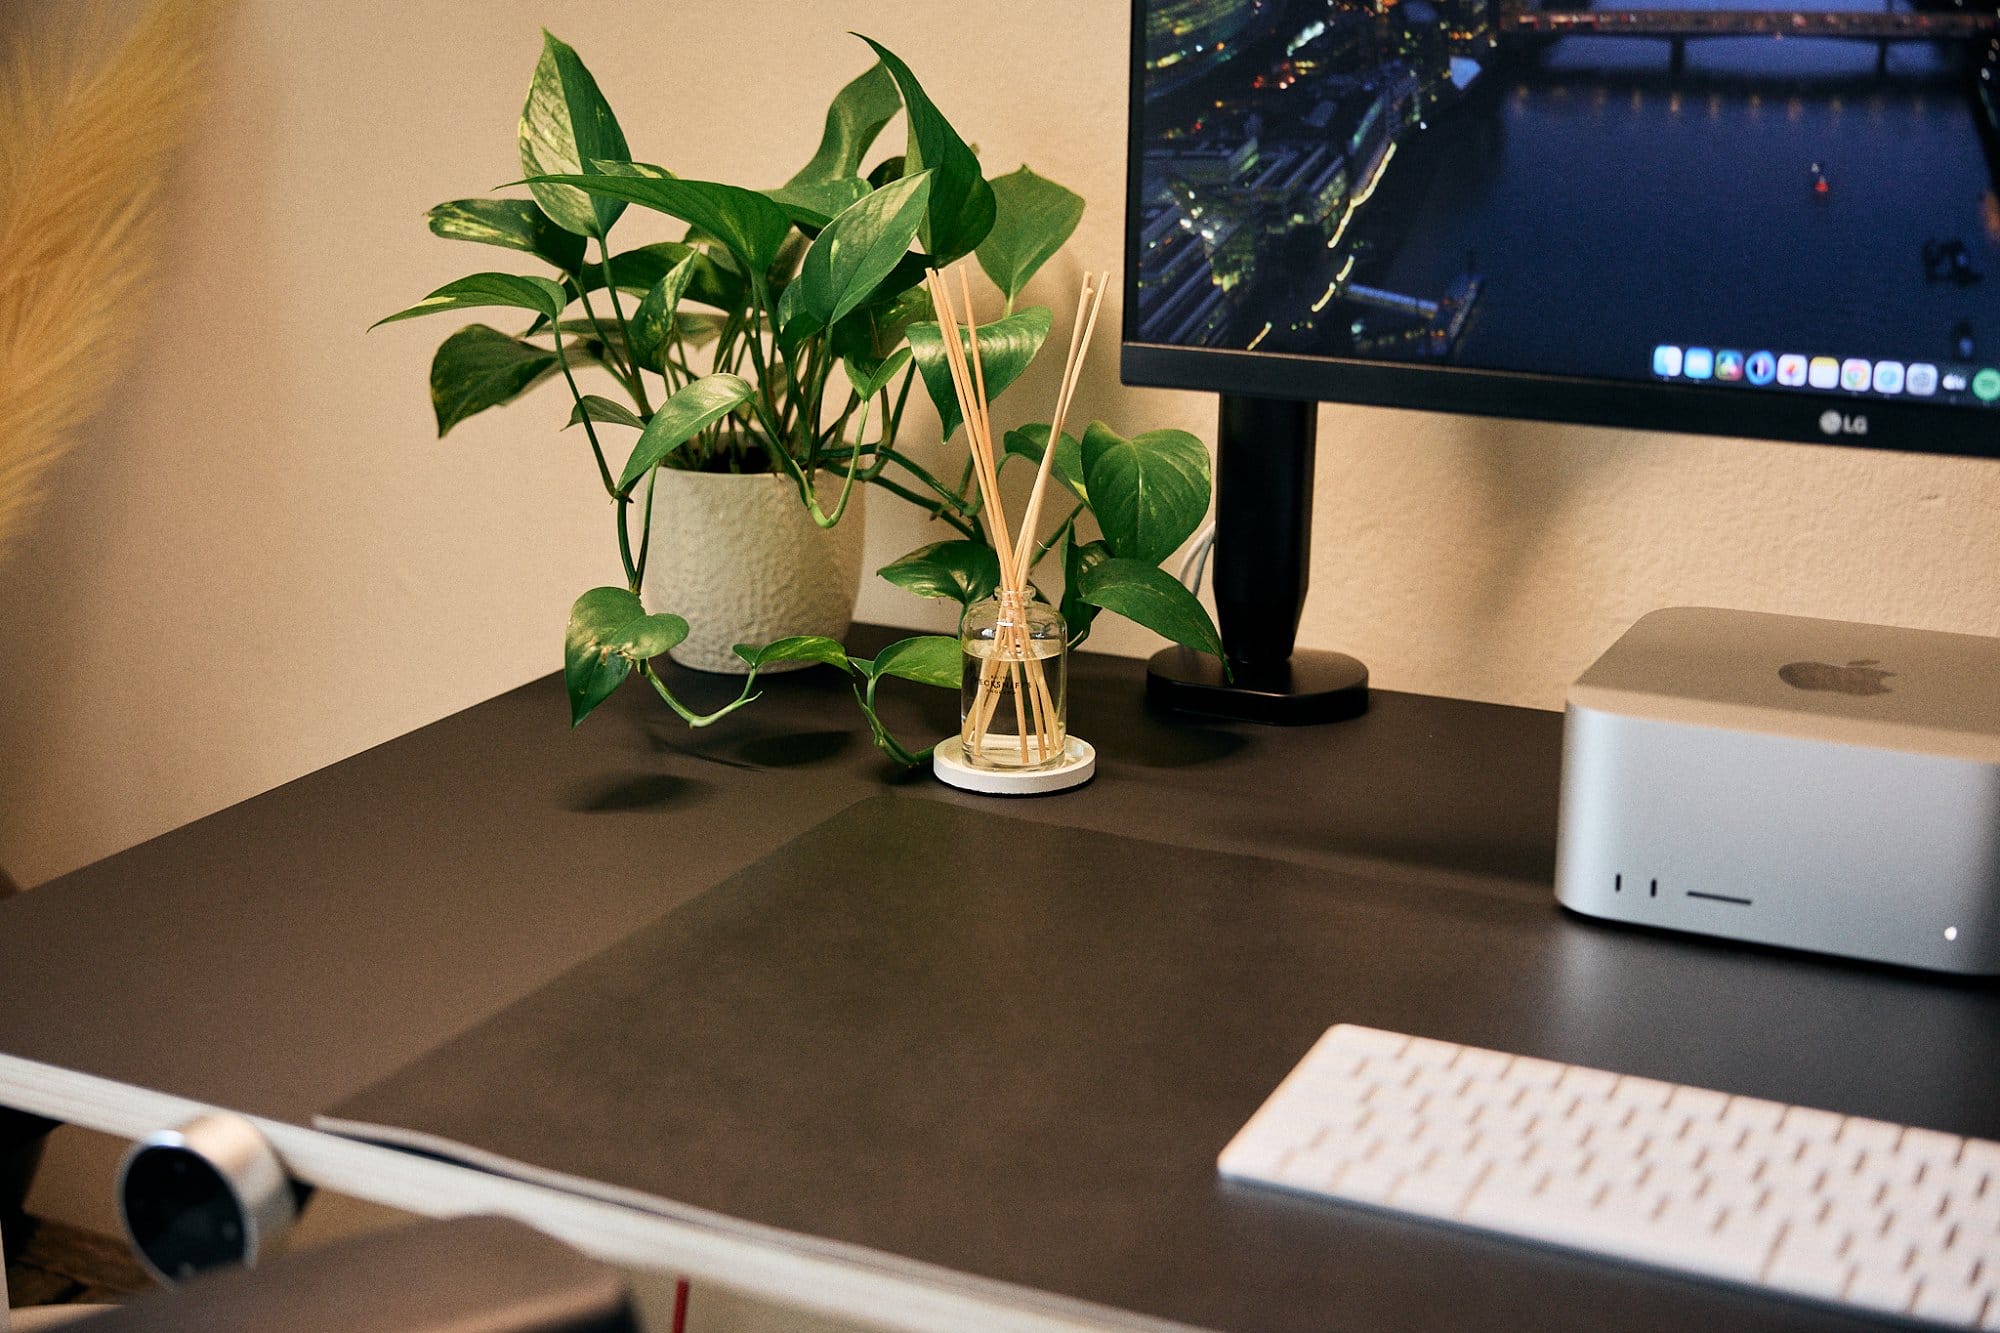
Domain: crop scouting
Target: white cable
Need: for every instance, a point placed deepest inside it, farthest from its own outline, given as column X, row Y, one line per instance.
column 1196, row 562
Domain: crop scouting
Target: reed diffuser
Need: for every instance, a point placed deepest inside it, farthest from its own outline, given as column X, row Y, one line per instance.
column 1014, row 696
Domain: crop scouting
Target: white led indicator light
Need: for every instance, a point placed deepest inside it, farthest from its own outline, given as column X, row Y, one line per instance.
column 1951, row 932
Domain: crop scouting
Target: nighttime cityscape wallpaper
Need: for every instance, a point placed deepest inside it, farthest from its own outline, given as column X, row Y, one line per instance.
column 1725, row 191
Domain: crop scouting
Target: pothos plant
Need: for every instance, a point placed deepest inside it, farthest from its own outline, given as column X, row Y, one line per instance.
column 783, row 333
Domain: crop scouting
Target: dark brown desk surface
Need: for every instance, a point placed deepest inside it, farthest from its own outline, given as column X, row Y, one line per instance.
column 282, row 956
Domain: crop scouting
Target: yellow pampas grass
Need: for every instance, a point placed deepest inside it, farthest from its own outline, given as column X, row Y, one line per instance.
column 83, row 143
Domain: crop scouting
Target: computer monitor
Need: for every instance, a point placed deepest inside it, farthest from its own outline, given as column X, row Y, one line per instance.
column 1773, row 219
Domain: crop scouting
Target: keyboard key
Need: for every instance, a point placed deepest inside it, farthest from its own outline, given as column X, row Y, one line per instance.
column 1812, row 1126
column 1367, row 1041
column 1948, row 1302
column 1476, row 1063
column 1698, row 1103
column 1927, row 1145
column 1871, row 1136
column 1432, row 1195
column 1883, row 1289
column 1753, row 1113
column 1592, row 1083
column 1645, row 1093
column 1533, row 1073
column 1808, row 1272
column 1368, row 1182
column 1424, row 1051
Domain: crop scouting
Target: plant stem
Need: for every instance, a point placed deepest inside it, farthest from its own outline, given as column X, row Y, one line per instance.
column 688, row 715
column 943, row 515
column 953, row 501
column 625, row 549
column 838, row 431
column 753, row 342
column 903, row 394
column 1066, row 528
column 885, row 742
column 603, row 468
column 638, row 385
column 612, row 361
column 646, row 533
column 814, row 402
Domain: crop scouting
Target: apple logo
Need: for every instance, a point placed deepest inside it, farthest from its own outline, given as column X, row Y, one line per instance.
column 1861, row 677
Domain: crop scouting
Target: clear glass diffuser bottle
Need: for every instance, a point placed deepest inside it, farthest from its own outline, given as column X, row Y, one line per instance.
column 1013, row 693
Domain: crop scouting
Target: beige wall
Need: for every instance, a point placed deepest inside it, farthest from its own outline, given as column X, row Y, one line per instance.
column 261, row 560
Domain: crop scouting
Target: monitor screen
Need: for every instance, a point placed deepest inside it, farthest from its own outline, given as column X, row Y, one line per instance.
column 1772, row 218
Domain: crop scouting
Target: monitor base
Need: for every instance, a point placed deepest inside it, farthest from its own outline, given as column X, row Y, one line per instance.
column 1310, row 687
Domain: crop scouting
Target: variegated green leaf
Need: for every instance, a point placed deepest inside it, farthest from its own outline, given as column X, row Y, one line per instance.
column 515, row 223
column 566, row 127
column 857, row 115
column 540, row 295
column 961, row 203
column 693, row 409
column 480, row 367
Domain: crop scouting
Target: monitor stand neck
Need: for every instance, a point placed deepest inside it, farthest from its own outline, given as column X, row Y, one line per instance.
column 1262, row 558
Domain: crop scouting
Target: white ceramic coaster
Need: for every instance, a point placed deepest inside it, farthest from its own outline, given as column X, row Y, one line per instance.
column 1079, row 764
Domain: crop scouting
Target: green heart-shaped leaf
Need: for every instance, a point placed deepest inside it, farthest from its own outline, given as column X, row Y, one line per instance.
column 799, row 648
column 1149, row 493
column 566, row 126
column 480, row 290
column 964, row 571
column 480, row 367
column 960, row 212
column 609, row 632
column 1150, row 596
column 515, row 223
column 693, row 409
column 860, row 248
column 649, row 636
column 928, row 659
column 591, row 671
column 750, row 227
column 856, row 116
column 1006, row 347
column 1033, row 217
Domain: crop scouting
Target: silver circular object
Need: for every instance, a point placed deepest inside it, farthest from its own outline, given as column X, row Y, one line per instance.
column 209, row 1194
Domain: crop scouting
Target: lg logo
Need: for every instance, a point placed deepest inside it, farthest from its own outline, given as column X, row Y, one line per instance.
column 1833, row 423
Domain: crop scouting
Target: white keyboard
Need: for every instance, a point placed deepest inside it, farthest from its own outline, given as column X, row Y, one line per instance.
column 1834, row 1208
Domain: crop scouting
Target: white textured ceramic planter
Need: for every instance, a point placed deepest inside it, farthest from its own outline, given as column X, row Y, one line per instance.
column 741, row 560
